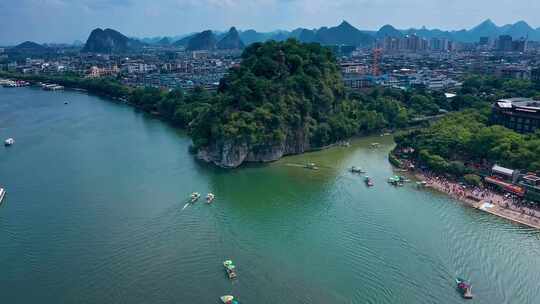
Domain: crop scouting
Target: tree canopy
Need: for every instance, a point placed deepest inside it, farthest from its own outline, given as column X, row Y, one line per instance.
column 286, row 88
column 467, row 136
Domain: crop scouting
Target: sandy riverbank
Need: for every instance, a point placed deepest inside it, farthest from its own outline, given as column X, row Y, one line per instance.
column 484, row 200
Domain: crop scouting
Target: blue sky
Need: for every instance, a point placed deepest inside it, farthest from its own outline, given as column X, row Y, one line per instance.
column 68, row 20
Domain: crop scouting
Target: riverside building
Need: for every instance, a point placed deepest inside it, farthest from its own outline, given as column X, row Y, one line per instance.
column 519, row 114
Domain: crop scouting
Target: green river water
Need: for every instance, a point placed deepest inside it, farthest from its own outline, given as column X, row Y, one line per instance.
column 95, row 214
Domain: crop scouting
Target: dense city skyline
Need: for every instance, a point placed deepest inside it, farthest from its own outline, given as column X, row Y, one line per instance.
column 66, row 21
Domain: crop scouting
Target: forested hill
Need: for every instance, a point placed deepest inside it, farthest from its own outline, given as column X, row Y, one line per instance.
column 285, row 98
column 109, row 41
column 454, row 143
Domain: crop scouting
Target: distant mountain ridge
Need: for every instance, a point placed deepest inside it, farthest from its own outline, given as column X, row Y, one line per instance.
column 205, row 40
column 231, row 41
column 343, row 34
column 29, row 48
column 346, row 34
column 487, row 28
column 388, row 31
column 110, row 41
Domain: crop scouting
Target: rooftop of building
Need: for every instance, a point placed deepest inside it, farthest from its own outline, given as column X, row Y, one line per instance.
column 502, row 170
column 519, row 103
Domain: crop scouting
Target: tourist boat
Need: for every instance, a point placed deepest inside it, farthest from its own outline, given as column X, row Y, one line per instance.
column 230, row 268
column 464, row 288
column 228, row 299
column 356, row 170
column 397, row 180
column 2, row 194
column 194, row 197
column 311, row 166
column 369, row 181
column 9, row 142
column 210, row 198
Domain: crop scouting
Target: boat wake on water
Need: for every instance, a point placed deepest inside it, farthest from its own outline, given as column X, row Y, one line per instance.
column 308, row 166
column 294, row 165
column 185, row 206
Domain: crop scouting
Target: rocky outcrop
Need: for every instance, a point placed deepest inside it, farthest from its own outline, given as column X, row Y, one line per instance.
column 202, row 41
column 226, row 155
column 230, row 154
column 231, row 41
column 109, row 41
column 283, row 99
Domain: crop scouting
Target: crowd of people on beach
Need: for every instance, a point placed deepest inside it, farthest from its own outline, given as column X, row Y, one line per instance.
column 474, row 194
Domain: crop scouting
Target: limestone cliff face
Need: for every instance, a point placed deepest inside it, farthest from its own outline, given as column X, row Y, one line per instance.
column 229, row 154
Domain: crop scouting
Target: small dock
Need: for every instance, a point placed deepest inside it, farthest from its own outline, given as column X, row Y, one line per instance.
column 509, row 214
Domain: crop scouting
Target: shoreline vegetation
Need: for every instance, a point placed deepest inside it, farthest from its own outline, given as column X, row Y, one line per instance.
column 285, row 98
column 288, row 98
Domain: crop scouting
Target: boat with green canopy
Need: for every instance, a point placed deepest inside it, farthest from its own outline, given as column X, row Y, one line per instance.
column 396, row 180
column 230, row 268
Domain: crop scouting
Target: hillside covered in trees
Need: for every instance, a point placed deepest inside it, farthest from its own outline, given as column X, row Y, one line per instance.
column 468, row 136
column 288, row 98
column 284, row 98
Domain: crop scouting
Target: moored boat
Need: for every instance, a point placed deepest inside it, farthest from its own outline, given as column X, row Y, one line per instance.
column 464, row 288
column 396, row 180
column 230, row 268
column 8, row 142
column 311, row 166
column 421, row 184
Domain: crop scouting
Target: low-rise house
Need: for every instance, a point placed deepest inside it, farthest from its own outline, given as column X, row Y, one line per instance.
column 504, row 179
